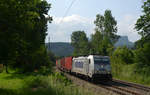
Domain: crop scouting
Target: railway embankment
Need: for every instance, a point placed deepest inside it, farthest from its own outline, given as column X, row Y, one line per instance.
column 114, row 87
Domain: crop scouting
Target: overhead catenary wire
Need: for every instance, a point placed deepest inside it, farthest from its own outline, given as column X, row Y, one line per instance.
column 61, row 20
column 68, row 9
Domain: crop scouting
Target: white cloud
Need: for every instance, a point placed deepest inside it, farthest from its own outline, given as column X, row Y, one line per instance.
column 126, row 27
column 60, row 30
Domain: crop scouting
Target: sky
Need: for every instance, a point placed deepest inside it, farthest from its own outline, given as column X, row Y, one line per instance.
column 83, row 13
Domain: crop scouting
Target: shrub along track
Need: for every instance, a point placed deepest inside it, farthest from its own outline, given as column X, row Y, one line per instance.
column 111, row 88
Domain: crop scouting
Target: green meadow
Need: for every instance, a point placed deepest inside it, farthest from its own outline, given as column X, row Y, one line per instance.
column 35, row 84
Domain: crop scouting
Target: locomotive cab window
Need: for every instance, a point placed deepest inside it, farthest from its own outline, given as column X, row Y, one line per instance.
column 89, row 61
column 101, row 61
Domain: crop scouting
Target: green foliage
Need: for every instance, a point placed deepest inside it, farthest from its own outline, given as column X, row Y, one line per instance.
column 34, row 61
column 105, row 45
column 124, row 54
column 23, row 27
column 101, row 45
column 19, row 84
column 80, row 43
column 142, row 59
column 107, row 25
column 61, row 78
column 128, row 72
column 51, row 56
column 143, row 23
column 140, row 71
column 45, row 70
column 96, row 40
column 105, row 36
column 101, row 41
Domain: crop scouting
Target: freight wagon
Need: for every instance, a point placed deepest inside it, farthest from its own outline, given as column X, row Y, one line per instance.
column 68, row 64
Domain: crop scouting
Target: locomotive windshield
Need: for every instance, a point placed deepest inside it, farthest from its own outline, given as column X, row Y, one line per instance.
column 101, row 61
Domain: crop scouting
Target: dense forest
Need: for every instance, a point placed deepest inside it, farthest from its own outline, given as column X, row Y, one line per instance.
column 23, row 27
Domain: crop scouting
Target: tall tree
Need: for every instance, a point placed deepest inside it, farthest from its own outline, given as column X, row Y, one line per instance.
column 23, row 26
column 107, row 25
column 143, row 23
column 80, row 43
column 105, row 36
column 96, row 40
column 143, row 45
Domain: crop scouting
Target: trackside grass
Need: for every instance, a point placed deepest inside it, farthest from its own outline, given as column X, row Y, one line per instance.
column 32, row 84
column 127, row 72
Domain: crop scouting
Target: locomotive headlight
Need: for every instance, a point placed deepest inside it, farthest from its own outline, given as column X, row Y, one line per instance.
column 109, row 72
column 95, row 71
column 102, row 66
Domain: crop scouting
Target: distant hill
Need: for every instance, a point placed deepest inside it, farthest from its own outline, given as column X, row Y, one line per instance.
column 123, row 41
column 60, row 48
column 65, row 48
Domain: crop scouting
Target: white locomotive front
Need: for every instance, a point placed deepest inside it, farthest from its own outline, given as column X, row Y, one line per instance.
column 99, row 67
column 93, row 66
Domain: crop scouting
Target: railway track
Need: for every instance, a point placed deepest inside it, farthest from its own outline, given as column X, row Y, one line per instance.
column 119, row 89
column 116, row 86
column 127, row 88
column 137, row 86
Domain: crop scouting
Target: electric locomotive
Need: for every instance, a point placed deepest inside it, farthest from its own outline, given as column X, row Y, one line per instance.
column 93, row 66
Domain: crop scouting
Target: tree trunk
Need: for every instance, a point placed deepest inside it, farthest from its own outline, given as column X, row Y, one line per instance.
column 6, row 68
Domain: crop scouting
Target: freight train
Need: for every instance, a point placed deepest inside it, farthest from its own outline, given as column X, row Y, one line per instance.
column 92, row 67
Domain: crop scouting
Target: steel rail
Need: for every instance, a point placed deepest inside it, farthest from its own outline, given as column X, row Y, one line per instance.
column 138, row 86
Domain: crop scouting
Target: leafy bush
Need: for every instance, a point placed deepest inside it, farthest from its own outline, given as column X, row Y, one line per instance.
column 51, row 57
column 45, row 70
column 142, row 59
column 36, row 82
column 61, row 78
column 35, row 61
column 128, row 72
column 124, row 55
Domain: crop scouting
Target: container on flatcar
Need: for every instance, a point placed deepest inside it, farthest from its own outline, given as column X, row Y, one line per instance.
column 58, row 65
column 62, row 63
column 68, row 64
column 56, row 62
